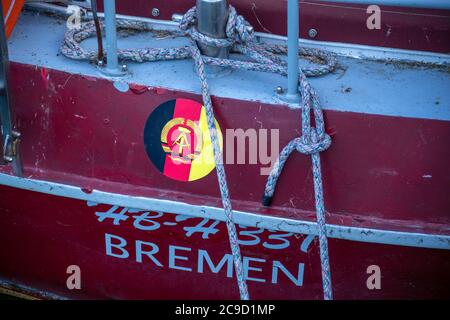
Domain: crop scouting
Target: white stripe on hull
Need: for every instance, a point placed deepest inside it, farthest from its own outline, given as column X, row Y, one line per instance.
column 399, row 238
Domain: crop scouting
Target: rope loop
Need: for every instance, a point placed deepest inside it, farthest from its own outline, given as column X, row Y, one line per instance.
column 210, row 41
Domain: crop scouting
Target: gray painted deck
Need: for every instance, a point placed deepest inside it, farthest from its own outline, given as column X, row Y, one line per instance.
column 366, row 86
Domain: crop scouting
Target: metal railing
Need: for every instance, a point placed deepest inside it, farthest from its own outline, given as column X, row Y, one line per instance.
column 112, row 64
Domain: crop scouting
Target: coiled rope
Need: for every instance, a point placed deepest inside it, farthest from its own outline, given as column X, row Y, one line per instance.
column 263, row 57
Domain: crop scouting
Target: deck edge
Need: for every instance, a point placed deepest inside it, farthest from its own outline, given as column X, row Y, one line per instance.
column 369, row 235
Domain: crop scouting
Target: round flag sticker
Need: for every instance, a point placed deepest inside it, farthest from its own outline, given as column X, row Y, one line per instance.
column 177, row 140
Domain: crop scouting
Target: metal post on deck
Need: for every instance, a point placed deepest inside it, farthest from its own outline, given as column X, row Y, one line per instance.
column 112, row 64
column 292, row 95
column 293, row 35
column 212, row 18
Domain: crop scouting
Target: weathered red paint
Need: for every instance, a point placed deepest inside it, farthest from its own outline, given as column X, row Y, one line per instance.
column 75, row 135
column 42, row 235
column 85, row 133
column 405, row 28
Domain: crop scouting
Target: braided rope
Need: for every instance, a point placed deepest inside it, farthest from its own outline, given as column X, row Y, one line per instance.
column 226, row 202
column 185, row 24
column 264, row 58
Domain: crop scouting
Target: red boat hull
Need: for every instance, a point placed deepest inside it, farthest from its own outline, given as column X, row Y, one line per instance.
column 44, row 234
column 91, row 197
column 78, row 134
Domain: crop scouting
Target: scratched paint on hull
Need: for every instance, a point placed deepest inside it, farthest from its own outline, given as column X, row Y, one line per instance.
column 121, row 256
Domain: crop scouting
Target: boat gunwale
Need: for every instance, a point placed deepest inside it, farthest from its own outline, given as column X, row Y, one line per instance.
column 358, row 234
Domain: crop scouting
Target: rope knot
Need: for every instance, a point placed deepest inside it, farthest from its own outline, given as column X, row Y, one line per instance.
column 238, row 30
column 312, row 143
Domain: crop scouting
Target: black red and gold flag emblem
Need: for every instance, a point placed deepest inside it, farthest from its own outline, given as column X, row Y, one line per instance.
column 178, row 142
